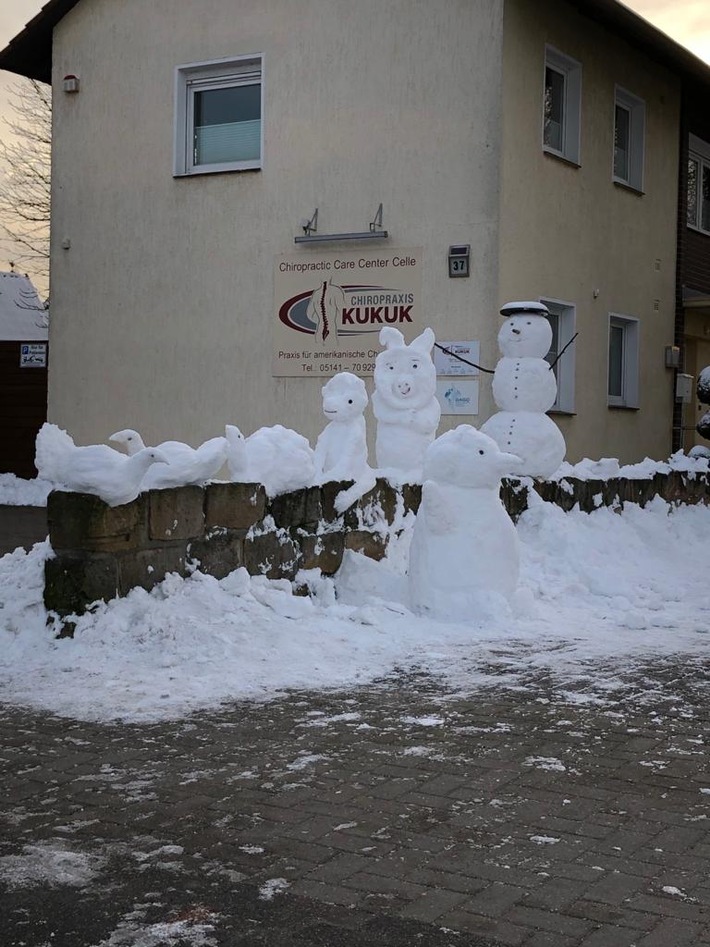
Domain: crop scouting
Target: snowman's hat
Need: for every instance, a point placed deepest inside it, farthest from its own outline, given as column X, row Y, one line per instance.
column 524, row 308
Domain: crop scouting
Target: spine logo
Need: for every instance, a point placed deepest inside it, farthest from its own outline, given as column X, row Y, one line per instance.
column 346, row 310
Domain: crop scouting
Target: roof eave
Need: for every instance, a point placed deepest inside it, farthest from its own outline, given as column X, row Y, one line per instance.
column 30, row 52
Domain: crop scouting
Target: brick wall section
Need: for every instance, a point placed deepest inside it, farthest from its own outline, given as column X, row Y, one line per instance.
column 102, row 552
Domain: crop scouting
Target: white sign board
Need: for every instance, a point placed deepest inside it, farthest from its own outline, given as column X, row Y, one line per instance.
column 450, row 365
column 331, row 305
column 33, row 355
column 457, row 395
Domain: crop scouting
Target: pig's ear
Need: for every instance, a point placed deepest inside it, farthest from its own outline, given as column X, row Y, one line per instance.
column 391, row 338
column 423, row 342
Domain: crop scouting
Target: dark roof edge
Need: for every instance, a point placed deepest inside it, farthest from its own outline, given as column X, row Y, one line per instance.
column 30, row 52
column 634, row 28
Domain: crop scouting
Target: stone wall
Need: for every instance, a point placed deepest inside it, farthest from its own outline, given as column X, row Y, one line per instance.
column 102, row 552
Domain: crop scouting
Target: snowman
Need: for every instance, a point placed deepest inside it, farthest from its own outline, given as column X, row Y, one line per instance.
column 464, row 553
column 524, row 388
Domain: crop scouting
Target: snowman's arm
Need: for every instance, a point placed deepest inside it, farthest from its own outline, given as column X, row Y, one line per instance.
column 438, row 511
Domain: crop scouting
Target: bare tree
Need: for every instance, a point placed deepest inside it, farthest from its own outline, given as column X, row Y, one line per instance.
column 25, row 171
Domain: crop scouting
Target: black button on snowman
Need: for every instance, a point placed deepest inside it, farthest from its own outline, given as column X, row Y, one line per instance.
column 524, row 388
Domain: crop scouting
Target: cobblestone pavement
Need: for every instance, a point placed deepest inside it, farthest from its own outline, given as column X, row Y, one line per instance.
column 394, row 815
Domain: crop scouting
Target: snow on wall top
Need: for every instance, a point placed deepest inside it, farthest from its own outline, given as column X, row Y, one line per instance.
column 22, row 315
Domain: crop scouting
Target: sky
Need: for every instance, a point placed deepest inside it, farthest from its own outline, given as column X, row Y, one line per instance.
column 686, row 21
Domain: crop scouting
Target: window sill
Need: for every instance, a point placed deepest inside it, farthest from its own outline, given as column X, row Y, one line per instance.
column 201, row 172
column 625, row 186
column 558, row 156
column 704, row 233
column 622, row 407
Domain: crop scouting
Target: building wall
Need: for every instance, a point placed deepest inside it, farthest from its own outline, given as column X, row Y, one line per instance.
column 162, row 306
column 568, row 232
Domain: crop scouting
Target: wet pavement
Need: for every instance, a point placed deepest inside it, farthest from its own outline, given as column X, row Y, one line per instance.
column 399, row 814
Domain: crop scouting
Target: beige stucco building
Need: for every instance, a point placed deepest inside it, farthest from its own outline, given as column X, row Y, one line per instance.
column 541, row 134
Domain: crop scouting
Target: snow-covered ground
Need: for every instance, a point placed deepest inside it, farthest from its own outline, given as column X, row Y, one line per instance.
column 599, row 593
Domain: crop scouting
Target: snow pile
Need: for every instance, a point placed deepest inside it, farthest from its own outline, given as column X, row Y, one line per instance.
column 17, row 492
column 599, row 592
column 609, row 467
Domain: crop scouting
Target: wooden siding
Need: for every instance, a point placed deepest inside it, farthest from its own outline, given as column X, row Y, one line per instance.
column 23, row 410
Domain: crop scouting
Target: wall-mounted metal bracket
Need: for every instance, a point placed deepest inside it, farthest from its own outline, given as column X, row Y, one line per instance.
column 376, row 224
column 311, row 235
column 310, row 226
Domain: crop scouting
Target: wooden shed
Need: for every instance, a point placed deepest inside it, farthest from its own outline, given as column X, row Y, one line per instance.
column 23, row 373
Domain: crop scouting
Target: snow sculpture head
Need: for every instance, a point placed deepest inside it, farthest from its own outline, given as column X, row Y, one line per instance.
column 129, row 440
column 344, row 397
column 404, row 374
column 468, row 458
column 526, row 332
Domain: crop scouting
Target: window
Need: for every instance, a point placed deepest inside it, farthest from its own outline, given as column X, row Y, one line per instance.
column 699, row 185
column 622, row 388
column 562, row 319
column 629, row 133
column 561, row 105
column 218, row 116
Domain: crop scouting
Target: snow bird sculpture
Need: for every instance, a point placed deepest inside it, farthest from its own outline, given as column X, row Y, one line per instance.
column 187, row 465
column 464, row 545
column 277, row 457
column 96, row 469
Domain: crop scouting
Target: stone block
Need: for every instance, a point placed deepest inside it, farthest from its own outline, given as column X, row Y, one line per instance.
column 636, row 491
column 563, row 493
column 412, row 496
column 377, row 505
column 177, row 513
column 81, row 521
column 695, row 489
column 372, row 545
column 589, row 494
column 514, row 497
column 148, row 567
column 274, row 555
column 300, row 508
column 328, row 493
column 234, row 505
column 73, row 582
column 219, row 553
column 611, row 492
column 323, row 551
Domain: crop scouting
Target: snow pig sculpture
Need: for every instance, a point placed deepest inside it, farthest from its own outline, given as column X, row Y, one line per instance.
column 464, row 550
column 404, row 401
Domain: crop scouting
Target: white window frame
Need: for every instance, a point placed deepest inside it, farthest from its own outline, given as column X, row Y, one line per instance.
column 636, row 109
column 699, row 151
column 629, row 397
column 565, row 368
column 571, row 72
column 216, row 73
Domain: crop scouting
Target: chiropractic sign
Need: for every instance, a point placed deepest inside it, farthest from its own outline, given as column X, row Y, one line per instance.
column 330, row 307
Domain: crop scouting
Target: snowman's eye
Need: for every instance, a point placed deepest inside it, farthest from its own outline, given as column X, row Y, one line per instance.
column 350, row 400
column 415, row 364
column 529, row 323
column 481, row 452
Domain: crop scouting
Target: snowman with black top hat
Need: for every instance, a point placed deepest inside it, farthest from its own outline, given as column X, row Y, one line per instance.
column 524, row 388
